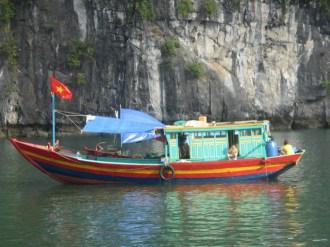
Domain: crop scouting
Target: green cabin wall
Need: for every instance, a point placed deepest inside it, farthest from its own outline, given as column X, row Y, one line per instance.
column 207, row 145
column 173, row 146
column 252, row 144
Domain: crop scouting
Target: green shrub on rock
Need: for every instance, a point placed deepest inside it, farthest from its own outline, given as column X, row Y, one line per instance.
column 325, row 7
column 326, row 85
column 195, row 70
column 184, row 8
column 78, row 51
column 143, row 8
column 170, row 46
column 7, row 11
column 8, row 50
column 209, row 7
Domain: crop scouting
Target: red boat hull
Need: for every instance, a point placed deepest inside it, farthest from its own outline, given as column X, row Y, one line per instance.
column 71, row 168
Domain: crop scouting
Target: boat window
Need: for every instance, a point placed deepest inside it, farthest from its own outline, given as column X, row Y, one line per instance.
column 172, row 136
column 220, row 134
column 209, row 135
column 199, row 135
column 256, row 132
column 245, row 133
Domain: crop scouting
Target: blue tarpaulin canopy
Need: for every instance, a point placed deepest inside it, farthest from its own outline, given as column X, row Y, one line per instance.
column 133, row 126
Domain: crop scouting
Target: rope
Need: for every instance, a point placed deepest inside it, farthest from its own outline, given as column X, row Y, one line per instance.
column 73, row 122
column 68, row 115
column 71, row 114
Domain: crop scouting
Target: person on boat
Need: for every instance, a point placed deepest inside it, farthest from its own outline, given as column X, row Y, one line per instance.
column 184, row 149
column 272, row 148
column 57, row 145
column 233, row 152
column 99, row 146
column 287, row 148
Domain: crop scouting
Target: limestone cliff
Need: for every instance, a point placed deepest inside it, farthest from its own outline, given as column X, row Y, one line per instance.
column 260, row 59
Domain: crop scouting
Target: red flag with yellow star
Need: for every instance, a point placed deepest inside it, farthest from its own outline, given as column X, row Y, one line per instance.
column 60, row 89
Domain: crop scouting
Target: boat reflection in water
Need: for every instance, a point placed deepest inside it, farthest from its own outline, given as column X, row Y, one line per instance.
column 250, row 214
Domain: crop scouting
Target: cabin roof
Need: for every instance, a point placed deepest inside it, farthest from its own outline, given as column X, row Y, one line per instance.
column 194, row 125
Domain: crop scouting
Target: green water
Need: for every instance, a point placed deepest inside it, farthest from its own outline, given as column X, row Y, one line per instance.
column 293, row 211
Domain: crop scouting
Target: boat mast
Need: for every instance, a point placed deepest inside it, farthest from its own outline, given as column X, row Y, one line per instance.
column 118, row 116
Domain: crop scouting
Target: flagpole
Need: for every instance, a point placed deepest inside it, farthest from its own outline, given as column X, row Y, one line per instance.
column 53, row 120
column 121, row 141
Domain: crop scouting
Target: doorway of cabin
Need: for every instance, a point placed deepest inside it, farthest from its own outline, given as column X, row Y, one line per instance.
column 233, row 138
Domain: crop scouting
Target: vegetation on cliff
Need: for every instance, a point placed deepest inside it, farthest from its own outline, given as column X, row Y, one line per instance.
column 325, row 5
column 170, row 46
column 149, row 51
column 79, row 51
column 7, row 11
column 8, row 48
column 195, row 70
column 209, row 7
column 184, row 8
column 326, row 85
column 143, row 8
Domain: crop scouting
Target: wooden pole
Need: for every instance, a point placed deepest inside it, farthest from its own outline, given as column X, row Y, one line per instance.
column 53, row 121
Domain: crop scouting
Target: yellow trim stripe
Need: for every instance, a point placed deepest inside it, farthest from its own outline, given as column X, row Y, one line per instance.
column 223, row 125
column 249, row 141
column 91, row 167
column 227, row 170
column 202, row 144
column 148, row 171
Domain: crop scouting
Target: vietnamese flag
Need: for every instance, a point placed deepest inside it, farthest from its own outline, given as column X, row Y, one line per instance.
column 60, row 89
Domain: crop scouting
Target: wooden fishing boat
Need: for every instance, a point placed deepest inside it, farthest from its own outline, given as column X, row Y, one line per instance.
column 194, row 151
column 207, row 161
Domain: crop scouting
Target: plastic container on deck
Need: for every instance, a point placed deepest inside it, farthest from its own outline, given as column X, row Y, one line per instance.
column 202, row 119
column 271, row 149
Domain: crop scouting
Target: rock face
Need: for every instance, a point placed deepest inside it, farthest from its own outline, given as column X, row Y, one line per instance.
column 259, row 60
